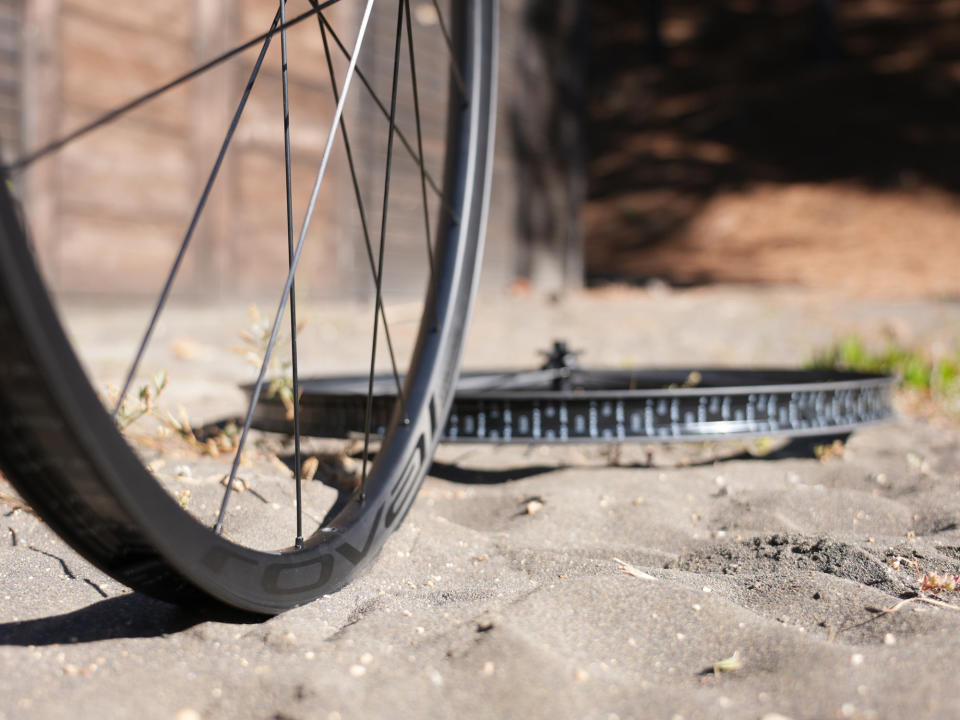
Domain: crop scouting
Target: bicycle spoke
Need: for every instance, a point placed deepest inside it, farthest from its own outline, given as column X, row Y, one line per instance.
column 386, row 113
column 416, row 112
column 453, row 56
column 298, row 542
column 363, row 222
column 383, row 242
column 198, row 211
column 121, row 110
column 305, row 228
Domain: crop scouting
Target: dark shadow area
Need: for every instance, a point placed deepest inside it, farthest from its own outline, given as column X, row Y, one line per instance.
column 798, row 448
column 471, row 476
column 736, row 93
column 127, row 616
column 546, row 129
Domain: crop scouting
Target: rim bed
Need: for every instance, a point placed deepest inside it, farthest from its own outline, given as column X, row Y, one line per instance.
column 118, row 514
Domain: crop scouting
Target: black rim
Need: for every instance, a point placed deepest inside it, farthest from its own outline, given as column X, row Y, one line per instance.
column 111, row 487
column 565, row 405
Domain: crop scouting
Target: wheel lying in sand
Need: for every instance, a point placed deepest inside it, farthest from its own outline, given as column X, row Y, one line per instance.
column 563, row 403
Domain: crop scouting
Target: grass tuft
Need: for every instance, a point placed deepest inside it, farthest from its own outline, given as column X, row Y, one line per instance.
column 935, row 377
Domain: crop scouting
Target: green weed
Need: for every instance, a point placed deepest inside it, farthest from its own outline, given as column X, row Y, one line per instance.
column 936, row 377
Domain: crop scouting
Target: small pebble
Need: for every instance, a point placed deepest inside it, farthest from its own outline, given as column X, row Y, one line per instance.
column 856, row 659
column 889, row 639
column 358, row 671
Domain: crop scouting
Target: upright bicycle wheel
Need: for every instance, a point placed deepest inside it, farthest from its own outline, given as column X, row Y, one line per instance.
column 60, row 444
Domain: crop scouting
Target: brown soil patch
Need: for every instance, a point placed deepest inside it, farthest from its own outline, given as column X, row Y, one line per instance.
column 751, row 153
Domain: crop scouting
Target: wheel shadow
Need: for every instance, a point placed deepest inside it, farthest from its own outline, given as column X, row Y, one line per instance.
column 796, row 449
column 126, row 617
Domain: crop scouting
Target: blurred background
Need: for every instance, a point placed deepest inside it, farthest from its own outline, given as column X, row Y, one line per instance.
column 805, row 142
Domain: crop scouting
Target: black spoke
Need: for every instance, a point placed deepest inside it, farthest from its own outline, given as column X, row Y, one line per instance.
column 416, row 112
column 363, row 220
column 181, row 253
column 284, row 296
column 121, row 110
column 383, row 242
column 297, row 465
column 386, row 113
column 453, row 55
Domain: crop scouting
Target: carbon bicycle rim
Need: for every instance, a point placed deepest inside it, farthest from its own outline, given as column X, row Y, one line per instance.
column 61, row 447
column 578, row 405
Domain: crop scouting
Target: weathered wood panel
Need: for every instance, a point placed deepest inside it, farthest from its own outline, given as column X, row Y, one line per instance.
column 109, row 212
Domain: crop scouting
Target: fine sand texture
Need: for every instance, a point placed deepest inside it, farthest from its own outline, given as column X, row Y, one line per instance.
column 696, row 581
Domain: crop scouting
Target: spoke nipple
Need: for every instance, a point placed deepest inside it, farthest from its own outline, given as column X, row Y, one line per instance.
column 406, row 421
column 218, row 528
column 298, row 543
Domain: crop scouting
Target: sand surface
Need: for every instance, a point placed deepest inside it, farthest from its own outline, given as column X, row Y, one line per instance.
column 619, row 597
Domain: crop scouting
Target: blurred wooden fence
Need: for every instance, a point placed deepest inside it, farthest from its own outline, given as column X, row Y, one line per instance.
column 108, row 212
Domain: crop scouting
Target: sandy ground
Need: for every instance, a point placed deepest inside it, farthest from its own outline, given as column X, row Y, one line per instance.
column 618, row 598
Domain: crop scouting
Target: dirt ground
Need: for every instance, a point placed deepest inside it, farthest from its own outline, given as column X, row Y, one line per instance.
column 759, row 147
column 694, row 583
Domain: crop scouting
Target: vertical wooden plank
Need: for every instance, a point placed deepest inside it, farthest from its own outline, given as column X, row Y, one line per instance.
column 41, row 113
column 548, row 133
column 215, row 25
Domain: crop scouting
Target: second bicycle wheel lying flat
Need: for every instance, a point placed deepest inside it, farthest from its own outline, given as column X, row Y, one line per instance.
column 569, row 404
column 62, row 449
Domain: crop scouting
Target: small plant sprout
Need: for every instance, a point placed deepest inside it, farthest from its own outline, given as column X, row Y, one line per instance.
column 146, row 405
column 254, row 348
column 928, row 581
column 937, row 582
column 828, row 451
column 728, row 664
column 127, row 412
column 183, row 497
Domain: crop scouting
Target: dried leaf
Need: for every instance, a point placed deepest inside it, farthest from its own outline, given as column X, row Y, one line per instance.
column 213, row 450
column 239, row 484
column 308, row 469
column 629, row 569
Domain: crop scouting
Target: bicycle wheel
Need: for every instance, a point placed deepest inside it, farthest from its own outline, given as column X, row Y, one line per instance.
column 556, row 405
column 62, row 450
